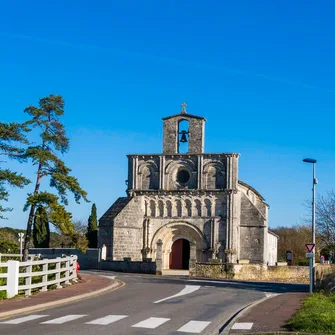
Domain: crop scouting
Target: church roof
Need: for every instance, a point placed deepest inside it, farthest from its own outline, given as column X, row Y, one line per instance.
column 251, row 188
column 115, row 209
column 185, row 115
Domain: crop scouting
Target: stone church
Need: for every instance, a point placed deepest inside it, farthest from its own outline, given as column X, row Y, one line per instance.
column 186, row 195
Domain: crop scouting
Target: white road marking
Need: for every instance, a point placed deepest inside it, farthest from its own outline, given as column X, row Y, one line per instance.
column 151, row 323
column 106, row 320
column 63, row 319
column 187, row 290
column 242, row 325
column 268, row 295
column 109, row 277
column 24, row 319
column 194, row 327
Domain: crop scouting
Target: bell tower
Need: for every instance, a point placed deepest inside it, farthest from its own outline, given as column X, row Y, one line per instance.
column 183, row 133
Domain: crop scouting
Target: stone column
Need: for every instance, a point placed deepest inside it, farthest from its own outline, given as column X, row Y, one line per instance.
column 159, row 258
column 161, row 172
column 200, row 166
column 135, row 175
column 193, row 259
column 232, row 222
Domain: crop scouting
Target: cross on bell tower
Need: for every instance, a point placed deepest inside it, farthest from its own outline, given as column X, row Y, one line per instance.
column 183, row 106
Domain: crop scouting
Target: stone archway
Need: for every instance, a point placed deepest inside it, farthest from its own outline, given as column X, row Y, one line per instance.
column 173, row 232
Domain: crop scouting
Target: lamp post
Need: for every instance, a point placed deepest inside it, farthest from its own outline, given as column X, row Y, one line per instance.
column 313, row 161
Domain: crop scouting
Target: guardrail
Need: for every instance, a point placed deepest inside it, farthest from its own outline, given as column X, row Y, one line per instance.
column 33, row 275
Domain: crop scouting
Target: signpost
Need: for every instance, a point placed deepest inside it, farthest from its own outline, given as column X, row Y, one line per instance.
column 310, row 256
column 21, row 235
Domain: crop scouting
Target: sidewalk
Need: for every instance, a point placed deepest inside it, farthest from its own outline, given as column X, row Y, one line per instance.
column 88, row 285
column 270, row 315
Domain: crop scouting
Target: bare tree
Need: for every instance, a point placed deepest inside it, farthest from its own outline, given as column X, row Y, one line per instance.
column 325, row 220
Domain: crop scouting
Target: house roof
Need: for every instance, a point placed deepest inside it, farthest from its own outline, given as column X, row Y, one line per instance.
column 115, row 209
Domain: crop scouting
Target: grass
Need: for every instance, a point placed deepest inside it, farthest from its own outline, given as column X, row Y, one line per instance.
column 317, row 315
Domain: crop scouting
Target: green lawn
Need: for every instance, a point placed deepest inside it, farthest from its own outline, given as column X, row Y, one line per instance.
column 316, row 315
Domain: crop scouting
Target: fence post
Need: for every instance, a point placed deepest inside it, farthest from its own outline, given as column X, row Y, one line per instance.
column 27, row 280
column 12, row 278
column 58, row 267
column 45, row 268
column 67, row 273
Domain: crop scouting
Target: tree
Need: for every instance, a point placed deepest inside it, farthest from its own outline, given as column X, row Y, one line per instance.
column 293, row 239
column 92, row 228
column 41, row 230
column 11, row 135
column 9, row 242
column 54, row 141
column 325, row 221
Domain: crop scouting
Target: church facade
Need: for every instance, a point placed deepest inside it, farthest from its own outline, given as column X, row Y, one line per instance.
column 186, row 195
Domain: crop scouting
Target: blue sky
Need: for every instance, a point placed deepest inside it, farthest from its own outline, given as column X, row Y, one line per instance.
column 261, row 72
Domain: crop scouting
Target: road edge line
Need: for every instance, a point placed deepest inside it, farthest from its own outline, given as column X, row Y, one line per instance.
column 236, row 315
column 116, row 285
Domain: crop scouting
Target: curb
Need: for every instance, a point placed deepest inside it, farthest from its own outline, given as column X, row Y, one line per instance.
column 117, row 284
column 234, row 317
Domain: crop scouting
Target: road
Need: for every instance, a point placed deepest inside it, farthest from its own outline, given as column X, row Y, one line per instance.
column 148, row 305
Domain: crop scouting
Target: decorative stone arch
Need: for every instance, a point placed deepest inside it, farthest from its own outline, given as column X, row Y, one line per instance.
column 181, row 174
column 173, row 231
column 214, row 172
column 148, row 175
column 174, row 165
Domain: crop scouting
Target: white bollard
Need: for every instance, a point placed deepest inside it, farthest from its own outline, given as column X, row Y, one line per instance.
column 12, row 278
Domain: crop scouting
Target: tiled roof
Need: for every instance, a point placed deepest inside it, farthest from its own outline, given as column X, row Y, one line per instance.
column 115, row 209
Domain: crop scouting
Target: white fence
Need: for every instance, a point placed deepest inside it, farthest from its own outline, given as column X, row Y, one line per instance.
column 33, row 275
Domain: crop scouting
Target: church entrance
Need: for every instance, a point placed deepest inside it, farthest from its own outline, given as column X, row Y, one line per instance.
column 180, row 255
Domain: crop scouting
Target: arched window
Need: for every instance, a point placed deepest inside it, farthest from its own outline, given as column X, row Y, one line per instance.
column 197, row 207
column 169, row 208
column 183, row 136
column 211, row 178
column 160, row 208
column 188, row 204
column 178, row 207
column 152, row 208
column 215, row 178
column 208, row 206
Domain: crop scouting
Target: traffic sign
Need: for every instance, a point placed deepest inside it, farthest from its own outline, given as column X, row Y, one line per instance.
column 309, row 255
column 310, row 247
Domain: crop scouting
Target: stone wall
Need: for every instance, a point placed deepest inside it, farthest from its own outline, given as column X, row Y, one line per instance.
column 325, row 277
column 253, row 232
column 129, row 266
column 87, row 260
column 128, row 231
column 296, row 274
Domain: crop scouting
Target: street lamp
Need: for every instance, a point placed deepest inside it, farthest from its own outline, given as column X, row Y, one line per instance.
column 313, row 161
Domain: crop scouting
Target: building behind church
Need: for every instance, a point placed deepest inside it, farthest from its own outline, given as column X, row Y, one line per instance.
column 186, row 195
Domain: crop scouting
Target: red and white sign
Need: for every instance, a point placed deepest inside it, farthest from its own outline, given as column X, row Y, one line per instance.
column 310, row 247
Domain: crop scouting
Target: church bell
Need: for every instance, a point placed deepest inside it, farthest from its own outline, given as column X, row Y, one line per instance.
column 183, row 138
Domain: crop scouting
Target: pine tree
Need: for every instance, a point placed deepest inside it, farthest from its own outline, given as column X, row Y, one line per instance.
column 41, row 230
column 44, row 156
column 92, row 228
column 11, row 135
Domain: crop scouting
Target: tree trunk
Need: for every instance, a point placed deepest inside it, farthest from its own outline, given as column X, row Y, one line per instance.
column 31, row 217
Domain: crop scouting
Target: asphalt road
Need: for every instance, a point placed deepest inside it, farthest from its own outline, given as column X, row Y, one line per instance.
column 148, row 305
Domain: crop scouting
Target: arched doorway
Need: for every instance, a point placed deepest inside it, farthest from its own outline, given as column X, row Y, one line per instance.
column 180, row 254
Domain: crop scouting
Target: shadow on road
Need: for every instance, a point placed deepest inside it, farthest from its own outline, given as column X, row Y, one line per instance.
column 271, row 287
